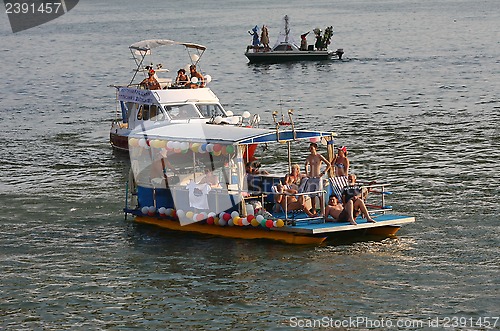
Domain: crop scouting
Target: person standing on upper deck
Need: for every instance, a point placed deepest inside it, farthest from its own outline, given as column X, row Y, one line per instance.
column 314, row 181
column 341, row 162
column 314, row 161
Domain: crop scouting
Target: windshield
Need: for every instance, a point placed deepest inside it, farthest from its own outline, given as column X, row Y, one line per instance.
column 210, row 110
column 182, row 112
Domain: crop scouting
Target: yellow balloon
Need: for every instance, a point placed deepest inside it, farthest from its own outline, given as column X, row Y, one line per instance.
column 195, row 147
column 133, row 142
column 154, row 143
column 237, row 220
column 280, row 223
column 255, row 222
column 189, row 214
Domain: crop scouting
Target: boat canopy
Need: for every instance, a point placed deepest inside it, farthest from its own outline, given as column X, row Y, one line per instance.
column 147, row 45
column 204, row 132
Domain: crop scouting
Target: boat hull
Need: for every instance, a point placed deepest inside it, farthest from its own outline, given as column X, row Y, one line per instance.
column 303, row 233
column 234, row 231
column 277, row 57
column 118, row 141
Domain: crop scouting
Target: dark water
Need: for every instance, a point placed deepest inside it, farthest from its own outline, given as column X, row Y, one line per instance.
column 416, row 100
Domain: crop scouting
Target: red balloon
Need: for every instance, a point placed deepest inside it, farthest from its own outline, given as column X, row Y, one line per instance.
column 210, row 220
column 269, row 223
column 250, row 218
column 226, row 217
column 200, row 217
column 217, row 147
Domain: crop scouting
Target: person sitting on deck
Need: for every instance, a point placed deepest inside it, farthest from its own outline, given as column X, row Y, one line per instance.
column 199, row 81
column 150, row 83
column 289, row 202
column 182, row 79
column 253, row 168
column 347, row 213
column 210, row 178
column 294, row 178
column 353, row 187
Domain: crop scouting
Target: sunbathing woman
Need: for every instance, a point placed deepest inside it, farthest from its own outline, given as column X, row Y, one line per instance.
column 290, row 202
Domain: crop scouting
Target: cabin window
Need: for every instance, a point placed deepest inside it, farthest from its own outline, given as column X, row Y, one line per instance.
column 156, row 113
column 150, row 112
column 143, row 113
column 182, row 112
column 210, row 110
column 283, row 48
column 130, row 107
column 139, row 113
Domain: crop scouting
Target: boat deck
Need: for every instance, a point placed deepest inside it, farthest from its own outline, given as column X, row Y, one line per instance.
column 320, row 227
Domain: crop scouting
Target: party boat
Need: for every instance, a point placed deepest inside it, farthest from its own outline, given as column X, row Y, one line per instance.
column 192, row 176
column 285, row 49
column 171, row 104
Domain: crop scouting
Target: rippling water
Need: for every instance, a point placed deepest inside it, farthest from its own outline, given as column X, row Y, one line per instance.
column 416, row 100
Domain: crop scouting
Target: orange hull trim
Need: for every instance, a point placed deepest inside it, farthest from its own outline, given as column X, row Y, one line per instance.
column 234, row 231
column 384, row 230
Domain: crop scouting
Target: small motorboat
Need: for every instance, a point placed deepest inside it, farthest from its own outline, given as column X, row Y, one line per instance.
column 285, row 49
column 170, row 103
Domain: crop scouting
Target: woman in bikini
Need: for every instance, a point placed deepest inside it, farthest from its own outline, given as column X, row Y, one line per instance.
column 293, row 179
column 289, row 202
column 341, row 162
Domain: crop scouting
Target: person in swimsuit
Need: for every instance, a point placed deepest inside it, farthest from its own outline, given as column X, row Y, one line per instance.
column 313, row 171
column 289, row 202
column 182, row 79
column 314, row 161
column 200, row 80
column 293, row 179
column 341, row 162
column 349, row 212
column 210, row 178
column 150, row 83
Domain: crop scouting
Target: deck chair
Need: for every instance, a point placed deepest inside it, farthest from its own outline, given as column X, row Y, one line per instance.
column 338, row 184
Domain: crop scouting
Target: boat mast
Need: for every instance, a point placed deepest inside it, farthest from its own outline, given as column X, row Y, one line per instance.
column 287, row 29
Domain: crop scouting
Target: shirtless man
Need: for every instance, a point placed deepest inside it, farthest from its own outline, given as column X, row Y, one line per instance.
column 314, row 173
column 314, row 161
column 349, row 212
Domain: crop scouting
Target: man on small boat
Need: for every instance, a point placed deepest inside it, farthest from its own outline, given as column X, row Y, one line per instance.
column 347, row 213
column 199, row 81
